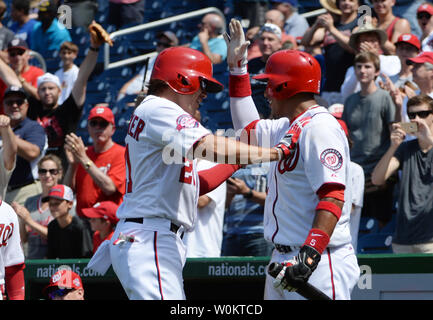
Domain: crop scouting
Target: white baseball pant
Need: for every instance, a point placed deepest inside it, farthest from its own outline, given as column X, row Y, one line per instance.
column 148, row 259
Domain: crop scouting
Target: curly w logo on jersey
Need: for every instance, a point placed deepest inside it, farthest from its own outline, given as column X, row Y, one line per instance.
column 331, row 159
column 294, row 132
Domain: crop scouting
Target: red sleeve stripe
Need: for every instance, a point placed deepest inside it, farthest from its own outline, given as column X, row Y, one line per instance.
column 249, row 128
column 331, row 190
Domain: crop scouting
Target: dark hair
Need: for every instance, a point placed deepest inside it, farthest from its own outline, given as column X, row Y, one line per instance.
column 23, row 5
column 156, row 86
column 420, row 99
column 69, row 46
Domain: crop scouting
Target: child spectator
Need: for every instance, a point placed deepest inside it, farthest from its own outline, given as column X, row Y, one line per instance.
column 103, row 221
column 67, row 235
column 68, row 73
column 35, row 215
column 407, row 46
column 368, row 115
column 65, row 285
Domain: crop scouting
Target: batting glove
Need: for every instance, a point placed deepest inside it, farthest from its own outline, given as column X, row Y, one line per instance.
column 298, row 270
column 236, row 48
column 286, row 146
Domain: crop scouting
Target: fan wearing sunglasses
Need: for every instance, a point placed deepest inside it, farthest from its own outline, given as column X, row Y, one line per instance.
column 65, row 285
column 32, row 143
column 19, row 56
column 35, row 215
column 414, row 232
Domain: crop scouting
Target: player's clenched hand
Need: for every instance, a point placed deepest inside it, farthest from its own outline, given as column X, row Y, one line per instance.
column 287, row 145
column 236, row 47
column 298, row 270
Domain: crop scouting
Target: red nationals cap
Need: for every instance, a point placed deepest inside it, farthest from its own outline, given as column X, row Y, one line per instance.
column 65, row 279
column 101, row 111
column 61, row 192
column 425, row 7
column 409, row 38
column 105, row 209
column 423, row 57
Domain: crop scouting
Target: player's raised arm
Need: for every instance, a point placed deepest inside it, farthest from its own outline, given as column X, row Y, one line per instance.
column 242, row 108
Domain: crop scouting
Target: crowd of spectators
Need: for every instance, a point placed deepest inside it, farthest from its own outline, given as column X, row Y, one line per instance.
column 378, row 71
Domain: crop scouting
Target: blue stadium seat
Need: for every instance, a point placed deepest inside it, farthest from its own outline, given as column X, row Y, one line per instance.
column 390, row 226
column 368, row 225
column 375, row 243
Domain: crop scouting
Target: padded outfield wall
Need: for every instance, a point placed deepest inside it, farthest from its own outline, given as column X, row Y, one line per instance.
column 383, row 277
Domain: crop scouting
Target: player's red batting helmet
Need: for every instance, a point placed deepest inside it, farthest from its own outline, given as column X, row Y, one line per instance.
column 289, row 72
column 185, row 70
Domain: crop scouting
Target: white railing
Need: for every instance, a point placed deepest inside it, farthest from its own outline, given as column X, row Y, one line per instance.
column 153, row 24
column 157, row 23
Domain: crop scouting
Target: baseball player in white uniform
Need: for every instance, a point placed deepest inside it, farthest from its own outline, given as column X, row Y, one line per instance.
column 162, row 183
column 307, row 208
column 11, row 254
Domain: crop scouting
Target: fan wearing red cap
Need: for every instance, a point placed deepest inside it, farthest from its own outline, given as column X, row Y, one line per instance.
column 422, row 71
column 64, row 285
column 68, row 236
column 424, row 15
column 306, row 201
column 96, row 173
column 407, row 46
column 103, row 220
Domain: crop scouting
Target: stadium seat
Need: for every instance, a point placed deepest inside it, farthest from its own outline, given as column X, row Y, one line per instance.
column 375, row 243
column 368, row 225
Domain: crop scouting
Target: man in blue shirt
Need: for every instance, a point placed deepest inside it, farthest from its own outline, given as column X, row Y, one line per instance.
column 295, row 25
column 31, row 142
column 209, row 40
column 23, row 25
column 48, row 33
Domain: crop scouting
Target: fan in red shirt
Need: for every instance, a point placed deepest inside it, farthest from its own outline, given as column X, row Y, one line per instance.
column 103, row 220
column 96, row 173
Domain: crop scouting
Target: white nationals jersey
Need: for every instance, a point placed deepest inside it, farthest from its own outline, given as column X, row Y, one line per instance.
column 321, row 156
column 160, row 181
column 11, row 252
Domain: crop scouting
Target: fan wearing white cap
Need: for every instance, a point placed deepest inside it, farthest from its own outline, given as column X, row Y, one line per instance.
column 61, row 119
column 67, row 235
